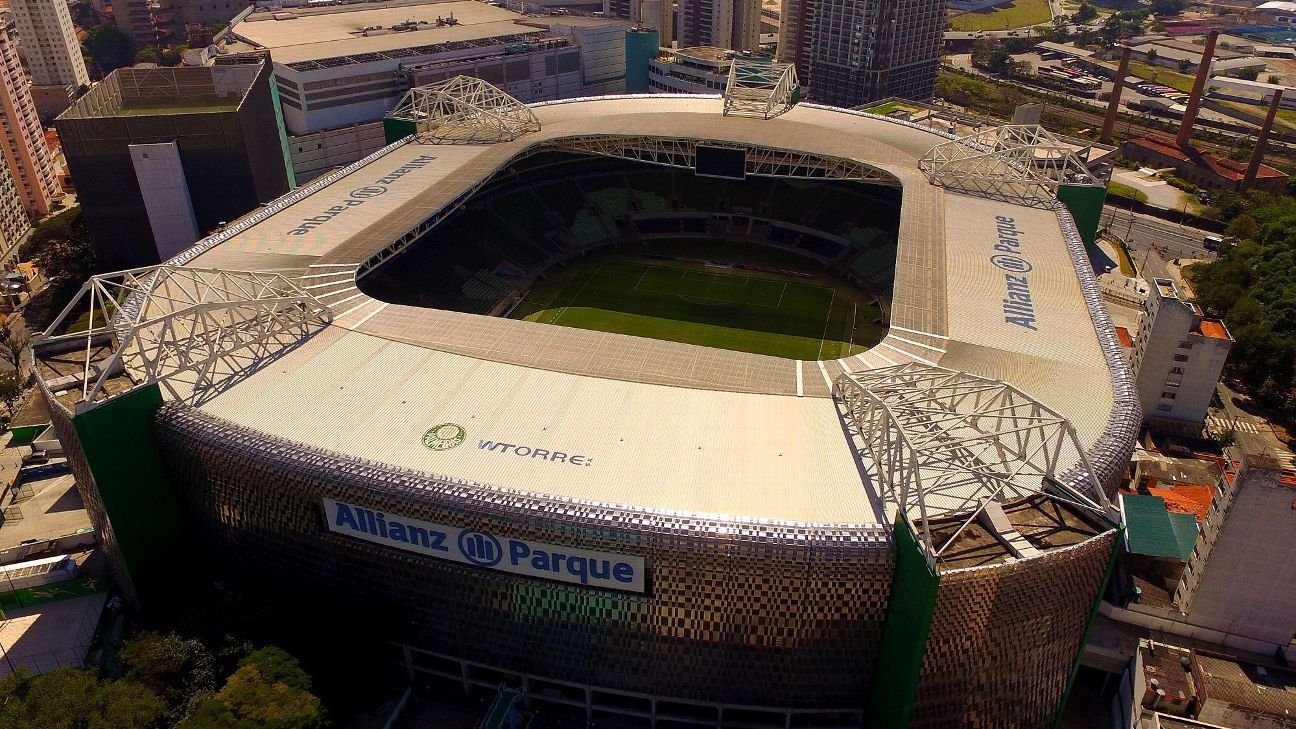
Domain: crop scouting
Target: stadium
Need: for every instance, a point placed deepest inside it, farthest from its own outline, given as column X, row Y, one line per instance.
column 677, row 411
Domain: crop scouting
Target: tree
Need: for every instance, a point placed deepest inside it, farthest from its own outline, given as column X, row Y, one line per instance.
column 1272, row 79
column 14, row 340
column 1152, row 55
column 73, row 698
column 181, row 671
column 1086, row 13
column 1166, row 8
column 1185, row 65
column 1243, row 227
column 268, row 691
column 148, row 54
column 10, row 392
column 108, row 48
column 1250, row 74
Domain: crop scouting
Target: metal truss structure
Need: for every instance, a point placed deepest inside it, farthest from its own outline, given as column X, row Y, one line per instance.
column 762, row 161
column 942, row 442
column 464, row 110
column 762, row 89
column 1023, row 164
column 157, row 323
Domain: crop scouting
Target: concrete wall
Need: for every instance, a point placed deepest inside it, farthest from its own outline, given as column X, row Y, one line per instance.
column 161, row 179
column 317, row 153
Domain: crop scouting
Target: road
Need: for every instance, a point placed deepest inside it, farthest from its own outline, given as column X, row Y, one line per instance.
column 1168, row 240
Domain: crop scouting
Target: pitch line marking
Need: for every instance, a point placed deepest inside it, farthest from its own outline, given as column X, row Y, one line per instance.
column 824, row 370
column 827, row 320
column 800, row 389
column 579, row 292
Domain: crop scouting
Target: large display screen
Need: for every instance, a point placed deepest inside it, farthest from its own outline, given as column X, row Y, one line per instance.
column 722, row 162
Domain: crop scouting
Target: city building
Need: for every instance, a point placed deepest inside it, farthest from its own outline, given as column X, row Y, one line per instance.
column 15, row 226
column 690, row 71
column 135, row 19
column 1177, row 357
column 658, row 15
column 162, row 156
column 1181, row 54
column 883, row 539
column 53, row 54
column 1172, row 687
column 49, row 43
column 720, row 23
column 1206, row 544
column 25, row 152
column 848, row 53
column 341, row 66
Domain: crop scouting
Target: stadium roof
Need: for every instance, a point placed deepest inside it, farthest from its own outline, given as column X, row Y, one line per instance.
column 663, row 426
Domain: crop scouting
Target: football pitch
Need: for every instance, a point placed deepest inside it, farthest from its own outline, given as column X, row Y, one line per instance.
column 713, row 306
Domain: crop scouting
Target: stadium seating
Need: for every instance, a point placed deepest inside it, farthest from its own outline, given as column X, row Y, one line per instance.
column 552, row 205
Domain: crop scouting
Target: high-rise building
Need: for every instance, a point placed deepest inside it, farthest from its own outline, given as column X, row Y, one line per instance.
column 733, row 24
column 656, row 14
column 848, row 52
column 15, row 226
column 25, row 151
column 49, row 42
column 1177, row 357
column 162, row 156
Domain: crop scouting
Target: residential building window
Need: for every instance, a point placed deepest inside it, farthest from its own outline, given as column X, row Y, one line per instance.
column 1181, row 358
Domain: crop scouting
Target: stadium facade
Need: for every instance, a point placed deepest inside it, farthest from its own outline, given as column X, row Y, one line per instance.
column 916, row 535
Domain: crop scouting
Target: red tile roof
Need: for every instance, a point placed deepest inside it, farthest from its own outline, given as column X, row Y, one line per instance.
column 1186, row 499
column 1124, row 336
column 1225, row 168
column 1213, row 328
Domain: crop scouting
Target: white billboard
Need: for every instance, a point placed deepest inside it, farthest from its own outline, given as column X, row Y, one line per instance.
column 468, row 546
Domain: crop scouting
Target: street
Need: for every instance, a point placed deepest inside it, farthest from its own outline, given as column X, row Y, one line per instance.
column 1168, row 240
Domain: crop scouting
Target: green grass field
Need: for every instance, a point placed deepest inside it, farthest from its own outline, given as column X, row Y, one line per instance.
column 1017, row 14
column 746, row 311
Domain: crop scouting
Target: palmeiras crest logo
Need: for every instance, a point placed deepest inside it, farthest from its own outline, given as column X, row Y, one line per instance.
column 445, row 436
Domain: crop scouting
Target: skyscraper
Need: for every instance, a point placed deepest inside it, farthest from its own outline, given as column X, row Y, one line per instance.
column 733, row 24
column 848, row 52
column 49, row 43
column 25, row 151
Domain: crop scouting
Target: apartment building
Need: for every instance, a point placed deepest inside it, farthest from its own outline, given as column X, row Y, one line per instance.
column 848, row 52
column 49, row 43
column 731, row 24
column 1177, row 357
column 24, row 147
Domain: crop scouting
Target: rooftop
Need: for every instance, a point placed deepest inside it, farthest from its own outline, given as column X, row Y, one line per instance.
column 1153, row 531
column 1220, row 690
column 160, row 91
column 1213, row 329
column 304, row 34
column 1226, row 168
column 749, row 436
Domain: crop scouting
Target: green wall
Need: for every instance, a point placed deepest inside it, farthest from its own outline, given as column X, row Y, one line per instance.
column 117, row 441
column 283, row 132
column 397, row 129
column 1086, row 205
column 904, row 637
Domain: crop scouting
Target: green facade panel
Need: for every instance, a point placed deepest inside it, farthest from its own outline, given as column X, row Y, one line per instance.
column 397, row 129
column 904, row 637
column 117, row 442
column 1085, row 202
